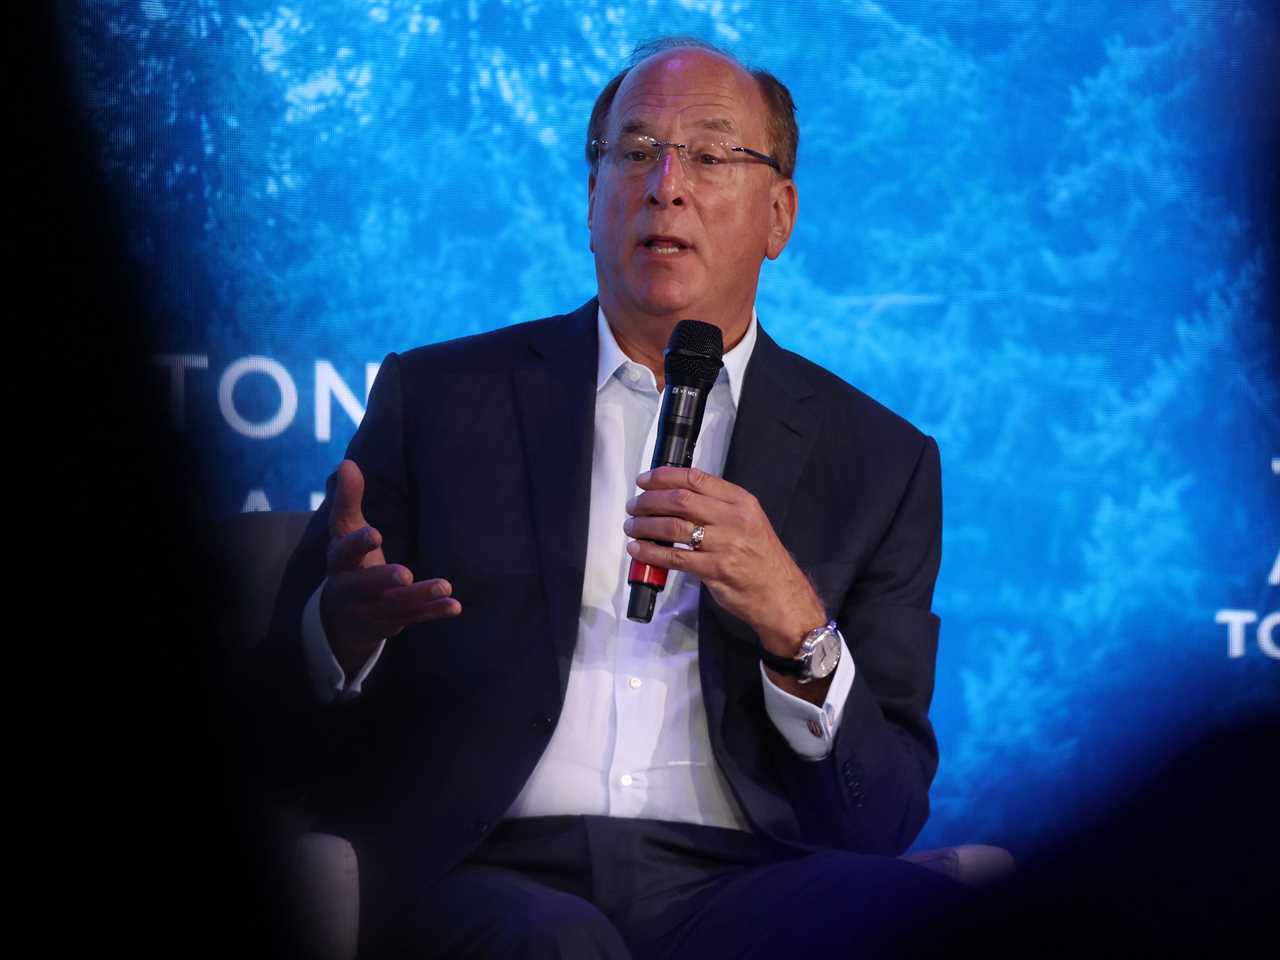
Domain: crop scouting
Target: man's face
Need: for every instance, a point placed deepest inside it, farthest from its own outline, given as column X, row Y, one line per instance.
column 668, row 245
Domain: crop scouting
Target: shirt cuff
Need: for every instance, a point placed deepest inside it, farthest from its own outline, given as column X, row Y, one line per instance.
column 808, row 728
column 328, row 680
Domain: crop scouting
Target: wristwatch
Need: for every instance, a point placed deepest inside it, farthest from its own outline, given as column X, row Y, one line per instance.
column 817, row 658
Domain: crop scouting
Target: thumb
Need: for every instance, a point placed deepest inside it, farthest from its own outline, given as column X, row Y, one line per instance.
column 347, row 514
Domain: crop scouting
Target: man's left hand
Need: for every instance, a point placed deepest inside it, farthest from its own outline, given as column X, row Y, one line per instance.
column 741, row 560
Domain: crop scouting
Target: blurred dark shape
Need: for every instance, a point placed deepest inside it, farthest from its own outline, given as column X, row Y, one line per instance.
column 145, row 821
column 1184, row 865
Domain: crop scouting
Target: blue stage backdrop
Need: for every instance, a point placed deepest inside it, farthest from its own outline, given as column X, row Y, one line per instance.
column 1037, row 230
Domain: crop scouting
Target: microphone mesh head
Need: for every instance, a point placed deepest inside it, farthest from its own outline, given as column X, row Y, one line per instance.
column 694, row 336
column 693, row 353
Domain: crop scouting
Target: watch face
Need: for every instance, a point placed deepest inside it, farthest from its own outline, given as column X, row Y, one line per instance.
column 826, row 654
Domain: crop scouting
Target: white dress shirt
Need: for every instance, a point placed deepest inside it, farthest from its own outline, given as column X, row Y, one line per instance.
column 632, row 738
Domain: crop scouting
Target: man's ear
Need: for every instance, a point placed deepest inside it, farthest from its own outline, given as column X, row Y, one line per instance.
column 591, row 209
column 784, row 204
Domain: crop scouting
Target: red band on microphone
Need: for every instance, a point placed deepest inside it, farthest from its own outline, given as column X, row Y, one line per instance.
column 647, row 573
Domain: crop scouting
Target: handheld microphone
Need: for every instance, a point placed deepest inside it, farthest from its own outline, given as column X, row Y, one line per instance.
column 691, row 363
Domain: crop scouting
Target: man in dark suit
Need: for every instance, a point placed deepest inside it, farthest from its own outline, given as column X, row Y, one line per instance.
column 521, row 769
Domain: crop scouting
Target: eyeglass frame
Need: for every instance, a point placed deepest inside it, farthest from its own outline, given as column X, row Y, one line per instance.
column 680, row 149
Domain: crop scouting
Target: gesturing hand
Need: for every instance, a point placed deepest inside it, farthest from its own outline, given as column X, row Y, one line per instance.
column 741, row 560
column 365, row 598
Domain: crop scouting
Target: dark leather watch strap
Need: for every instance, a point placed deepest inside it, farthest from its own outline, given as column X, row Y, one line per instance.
column 787, row 666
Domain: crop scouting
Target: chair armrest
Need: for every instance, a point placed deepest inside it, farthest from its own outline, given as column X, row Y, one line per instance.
column 323, row 881
column 973, row 864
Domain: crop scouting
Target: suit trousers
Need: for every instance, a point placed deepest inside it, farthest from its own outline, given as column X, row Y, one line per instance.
column 612, row 888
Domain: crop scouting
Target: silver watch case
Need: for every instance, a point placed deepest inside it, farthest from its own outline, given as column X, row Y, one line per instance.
column 820, row 653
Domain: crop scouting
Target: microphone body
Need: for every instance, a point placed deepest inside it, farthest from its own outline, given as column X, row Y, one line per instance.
column 691, row 363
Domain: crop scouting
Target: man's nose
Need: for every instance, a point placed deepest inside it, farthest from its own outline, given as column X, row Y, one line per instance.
column 668, row 181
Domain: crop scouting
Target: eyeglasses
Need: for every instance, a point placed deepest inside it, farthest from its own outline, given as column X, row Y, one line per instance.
column 706, row 161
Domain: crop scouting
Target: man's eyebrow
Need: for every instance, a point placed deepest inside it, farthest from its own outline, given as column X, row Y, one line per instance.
column 719, row 124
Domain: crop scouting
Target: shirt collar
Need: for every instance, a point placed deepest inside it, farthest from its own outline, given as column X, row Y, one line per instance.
column 610, row 356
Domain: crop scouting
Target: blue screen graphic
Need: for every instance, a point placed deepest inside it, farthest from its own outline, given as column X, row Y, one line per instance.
column 1035, row 230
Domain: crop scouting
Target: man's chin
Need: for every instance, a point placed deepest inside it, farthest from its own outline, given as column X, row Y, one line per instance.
column 670, row 303
column 663, row 303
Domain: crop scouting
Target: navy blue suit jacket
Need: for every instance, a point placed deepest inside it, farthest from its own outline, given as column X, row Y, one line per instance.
column 477, row 460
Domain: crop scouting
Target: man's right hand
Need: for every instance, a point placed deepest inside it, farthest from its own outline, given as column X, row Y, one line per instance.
column 366, row 599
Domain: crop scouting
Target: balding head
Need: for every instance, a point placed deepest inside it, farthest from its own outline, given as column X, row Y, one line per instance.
column 781, row 133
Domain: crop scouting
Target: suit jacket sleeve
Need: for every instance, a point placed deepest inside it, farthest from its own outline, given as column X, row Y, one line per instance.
column 871, row 793
column 308, row 737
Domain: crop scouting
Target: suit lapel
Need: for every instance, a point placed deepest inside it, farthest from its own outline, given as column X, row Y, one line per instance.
column 555, row 397
column 773, row 434
column 772, row 437
column 773, row 431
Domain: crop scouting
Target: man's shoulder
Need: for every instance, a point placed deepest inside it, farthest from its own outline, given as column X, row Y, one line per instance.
column 503, row 349
column 848, row 411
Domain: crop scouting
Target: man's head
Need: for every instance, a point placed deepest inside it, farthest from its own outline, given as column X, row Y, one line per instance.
column 681, row 235
column 784, row 135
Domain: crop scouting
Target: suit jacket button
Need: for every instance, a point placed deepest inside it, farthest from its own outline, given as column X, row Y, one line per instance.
column 541, row 722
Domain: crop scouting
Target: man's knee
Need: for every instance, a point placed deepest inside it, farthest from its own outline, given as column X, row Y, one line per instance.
column 485, row 912
column 556, row 927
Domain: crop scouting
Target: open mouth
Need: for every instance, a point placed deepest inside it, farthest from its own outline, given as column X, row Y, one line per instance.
column 665, row 245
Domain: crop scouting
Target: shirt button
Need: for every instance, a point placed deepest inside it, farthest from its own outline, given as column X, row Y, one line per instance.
column 626, row 780
column 635, row 683
column 633, row 374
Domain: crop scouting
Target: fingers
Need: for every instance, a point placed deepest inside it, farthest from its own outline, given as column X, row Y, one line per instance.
column 687, row 507
column 672, row 558
column 346, row 515
column 669, row 529
column 369, row 582
column 362, row 605
column 690, row 494
column 693, row 479
column 399, row 606
column 741, row 561
column 349, row 552
column 426, row 600
column 365, row 598
column 389, row 623
column 352, row 542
